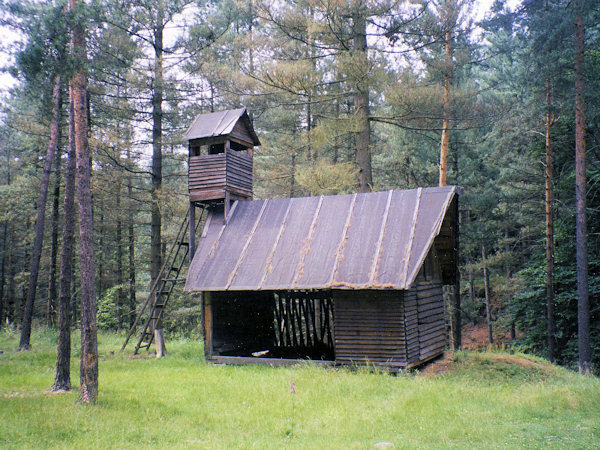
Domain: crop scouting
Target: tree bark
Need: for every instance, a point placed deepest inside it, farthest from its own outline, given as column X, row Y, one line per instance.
column 157, row 100
column 583, row 314
column 361, row 100
column 3, row 273
column 456, row 310
column 131, row 243
column 100, row 254
column 51, row 313
column 486, row 288
column 549, row 181
column 4, row 310
column 62, row 379
column 41, row 216
column 446, row 106
column 120, row 293
column 88, row 391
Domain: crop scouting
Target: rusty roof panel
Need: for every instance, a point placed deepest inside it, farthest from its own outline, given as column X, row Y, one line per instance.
column 321, row 248
column 250, row 272
column 282, row 269
column 359, row 249
column 429, row 221
column 375, row 240
column 227, row 250
column 395, row 239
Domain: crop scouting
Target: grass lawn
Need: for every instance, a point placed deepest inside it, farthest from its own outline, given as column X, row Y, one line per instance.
column 486, row 400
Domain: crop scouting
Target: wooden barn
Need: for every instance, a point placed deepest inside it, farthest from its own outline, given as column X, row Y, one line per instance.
column 347, row 279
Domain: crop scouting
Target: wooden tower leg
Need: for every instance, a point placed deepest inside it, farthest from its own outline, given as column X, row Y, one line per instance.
column 192, row 231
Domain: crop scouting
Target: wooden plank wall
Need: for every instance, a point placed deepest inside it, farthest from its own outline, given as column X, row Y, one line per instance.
column 432, row 328
column 239, row 173
column 206, row 175
column 412, row 327
column 369, row 328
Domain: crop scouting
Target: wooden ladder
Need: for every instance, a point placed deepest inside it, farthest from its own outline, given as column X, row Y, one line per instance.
column 153, row 308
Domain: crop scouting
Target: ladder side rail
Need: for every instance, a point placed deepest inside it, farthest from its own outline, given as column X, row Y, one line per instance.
column 183, row 227
column 158, row 288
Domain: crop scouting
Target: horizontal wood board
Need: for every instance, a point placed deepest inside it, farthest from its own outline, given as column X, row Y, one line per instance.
column 376, row 334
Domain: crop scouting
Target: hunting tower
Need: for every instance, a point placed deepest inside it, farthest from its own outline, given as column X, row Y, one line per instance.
column 220, row 160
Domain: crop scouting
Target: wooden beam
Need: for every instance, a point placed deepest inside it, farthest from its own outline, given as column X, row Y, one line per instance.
column 207, row 324
column 192, row 226
column 243, row 360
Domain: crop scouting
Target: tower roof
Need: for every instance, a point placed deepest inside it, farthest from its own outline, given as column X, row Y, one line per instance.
column 222, row 123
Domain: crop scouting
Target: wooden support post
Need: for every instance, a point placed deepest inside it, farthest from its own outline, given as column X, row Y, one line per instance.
column 159, row 342
column 207, row 324
column 192, row 231
column 285, row 320
column 226, row 206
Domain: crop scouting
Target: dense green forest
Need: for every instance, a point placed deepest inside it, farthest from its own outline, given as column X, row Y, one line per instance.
column 346, row 96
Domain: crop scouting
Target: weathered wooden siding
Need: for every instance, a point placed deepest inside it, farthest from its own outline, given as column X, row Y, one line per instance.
column 211, row 175
column 369, row 328
column 432, row 328
column 241, row 134
column 424, row 316
column 412, row 327
column 206, row 177
column 239, row 173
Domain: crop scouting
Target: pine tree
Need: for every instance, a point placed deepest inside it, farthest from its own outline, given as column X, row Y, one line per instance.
column 88, row 390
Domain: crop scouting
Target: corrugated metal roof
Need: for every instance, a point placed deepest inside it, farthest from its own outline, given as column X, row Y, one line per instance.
column 219, row 123
column 375, row 240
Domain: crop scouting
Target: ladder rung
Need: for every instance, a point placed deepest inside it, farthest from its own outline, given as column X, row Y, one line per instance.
column 162, row 291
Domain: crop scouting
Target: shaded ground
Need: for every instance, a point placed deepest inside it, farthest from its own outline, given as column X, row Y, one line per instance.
column 475, row 337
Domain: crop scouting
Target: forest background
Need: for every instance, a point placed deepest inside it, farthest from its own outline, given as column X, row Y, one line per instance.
column 345, row 96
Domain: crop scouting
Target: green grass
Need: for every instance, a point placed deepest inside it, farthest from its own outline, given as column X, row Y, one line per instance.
column 488, row 400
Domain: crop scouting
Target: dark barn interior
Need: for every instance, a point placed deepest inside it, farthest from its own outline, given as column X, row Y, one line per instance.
column 280, row 324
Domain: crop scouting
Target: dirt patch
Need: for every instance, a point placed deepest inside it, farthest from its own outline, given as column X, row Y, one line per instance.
column 475, row 337
column 438, row 366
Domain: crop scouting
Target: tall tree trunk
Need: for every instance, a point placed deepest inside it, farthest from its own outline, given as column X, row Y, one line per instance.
column 41, row 216
column 120, row 294
column 456, row 308
column 549, row 178
column 583, row 315
column 51, row 313
column 4, row 310
column 11, row 299
column 100, row 253
column 157, row 100
column 62, row 379
column 131, row 243
column 157, row 115
column 361, row 99
column 486, row 288
column 3, row 273
column 446, row 105
column 88, row 391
